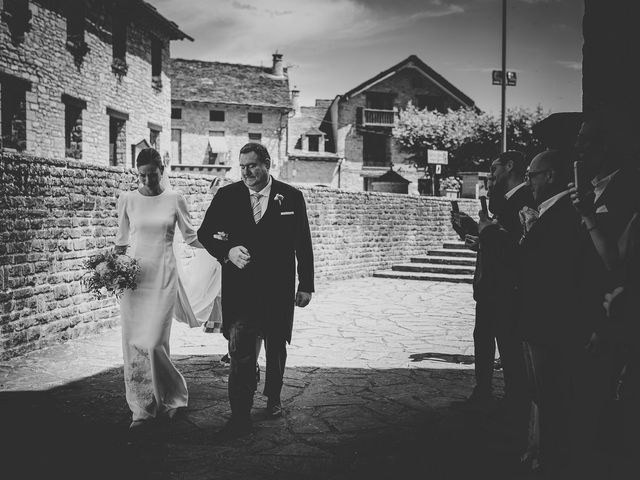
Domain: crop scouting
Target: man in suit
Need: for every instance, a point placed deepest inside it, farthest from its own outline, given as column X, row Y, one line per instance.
column 494, row 285
column 554, row 306
column 258, row 228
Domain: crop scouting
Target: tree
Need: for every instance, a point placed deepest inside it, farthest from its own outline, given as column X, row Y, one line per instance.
column 472, row 138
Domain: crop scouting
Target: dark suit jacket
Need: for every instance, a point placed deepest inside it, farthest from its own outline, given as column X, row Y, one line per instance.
column 551, row 279
column 497, row 261
column 262, row 293
column 614, row 209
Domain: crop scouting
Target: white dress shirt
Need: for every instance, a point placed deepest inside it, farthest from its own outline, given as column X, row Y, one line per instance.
column 512, row 192
column 599, row 186
column 550, row 202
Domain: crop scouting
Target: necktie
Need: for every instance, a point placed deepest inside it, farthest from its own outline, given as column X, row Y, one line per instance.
column 257, row 208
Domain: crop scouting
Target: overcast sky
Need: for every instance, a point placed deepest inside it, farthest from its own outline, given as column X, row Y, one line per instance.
column 332, row 46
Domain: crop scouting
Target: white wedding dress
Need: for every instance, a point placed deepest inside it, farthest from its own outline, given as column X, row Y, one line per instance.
column 148, row 224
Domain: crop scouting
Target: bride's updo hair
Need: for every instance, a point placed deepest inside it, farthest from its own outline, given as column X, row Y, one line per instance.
column 149, row 156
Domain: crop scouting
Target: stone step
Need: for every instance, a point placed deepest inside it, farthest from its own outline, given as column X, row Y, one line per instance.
column 433, row 268
column 454, row 245
column 452, row 252
column 434, row 277
column 444, row 260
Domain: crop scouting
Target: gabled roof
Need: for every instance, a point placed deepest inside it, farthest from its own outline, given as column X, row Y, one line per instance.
column 429, row 72
column 391, row 176
column 174, row 31
column 227, row 83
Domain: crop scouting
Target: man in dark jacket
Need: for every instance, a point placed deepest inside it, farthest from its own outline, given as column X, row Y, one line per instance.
column 257, row 229
column 554, row 306
column 494, row 285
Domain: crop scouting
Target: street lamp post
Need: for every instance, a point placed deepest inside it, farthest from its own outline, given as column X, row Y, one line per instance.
column 503, row 116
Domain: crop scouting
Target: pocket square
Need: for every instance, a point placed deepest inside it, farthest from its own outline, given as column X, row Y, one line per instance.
column 286, row 213
column 602, row 209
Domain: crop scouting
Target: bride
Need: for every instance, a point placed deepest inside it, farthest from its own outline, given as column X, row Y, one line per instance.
column 147, row 220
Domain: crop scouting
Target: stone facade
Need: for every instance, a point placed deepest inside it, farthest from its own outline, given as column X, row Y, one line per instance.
column 59, row 72
column 362, row 121
column 57, row 212
column 219, row 107
column 196, row 128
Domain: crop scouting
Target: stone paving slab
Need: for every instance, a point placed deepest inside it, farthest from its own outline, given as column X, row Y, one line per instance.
column 372, row 372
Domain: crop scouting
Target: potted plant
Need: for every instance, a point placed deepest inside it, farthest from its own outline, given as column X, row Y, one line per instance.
column 450, row 187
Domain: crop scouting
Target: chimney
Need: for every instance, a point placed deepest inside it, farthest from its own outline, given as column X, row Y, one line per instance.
column 295, row 101
column 278, row 69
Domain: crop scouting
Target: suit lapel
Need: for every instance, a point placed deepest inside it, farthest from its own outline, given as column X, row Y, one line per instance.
column 272, row 207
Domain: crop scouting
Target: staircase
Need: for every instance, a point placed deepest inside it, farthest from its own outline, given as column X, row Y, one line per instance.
column 452, row 263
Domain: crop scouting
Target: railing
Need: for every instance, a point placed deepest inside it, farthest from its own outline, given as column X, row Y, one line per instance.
column 378, row 118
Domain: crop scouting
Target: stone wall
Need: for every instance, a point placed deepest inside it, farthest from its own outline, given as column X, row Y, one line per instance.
column 43, row 59
column 57, row 212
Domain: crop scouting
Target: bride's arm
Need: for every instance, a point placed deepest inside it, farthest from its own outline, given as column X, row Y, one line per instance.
column 122, row 237
column 184, row 223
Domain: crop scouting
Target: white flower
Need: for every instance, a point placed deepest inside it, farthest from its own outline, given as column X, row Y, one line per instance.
column 279, row 198
column 222, row 236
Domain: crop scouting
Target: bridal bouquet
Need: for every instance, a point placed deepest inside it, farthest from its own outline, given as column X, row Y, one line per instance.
column 110, row 273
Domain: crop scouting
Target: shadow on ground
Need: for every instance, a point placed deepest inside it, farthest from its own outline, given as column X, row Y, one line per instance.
column 339, row 423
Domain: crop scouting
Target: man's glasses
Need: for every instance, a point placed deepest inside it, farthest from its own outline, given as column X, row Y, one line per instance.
column 532, row 173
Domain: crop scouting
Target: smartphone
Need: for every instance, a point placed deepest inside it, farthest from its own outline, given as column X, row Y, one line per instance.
column 454, row 206
column 483, row 205
column 579, row 176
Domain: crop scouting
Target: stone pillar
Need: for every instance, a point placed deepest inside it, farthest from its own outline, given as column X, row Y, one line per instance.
column 609, row 56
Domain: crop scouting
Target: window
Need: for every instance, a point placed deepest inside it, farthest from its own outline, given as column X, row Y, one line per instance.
column 254, row 117
column 379, row 100
column 73, row 126
column 13, row 113
column 119, row 33
column 75, row 13
column 176, row 113
column 17, row 15
column 117, row 137
column 255, row 137
column 216, row 115
column 176, row 145
column 431, row 103
column 156, row 63
column 314, row 143
column 216, row 133
column 154, row 135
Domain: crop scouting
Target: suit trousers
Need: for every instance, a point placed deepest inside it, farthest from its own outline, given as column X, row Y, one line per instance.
column 243, row 337
column 550, row 376
column 496, row 321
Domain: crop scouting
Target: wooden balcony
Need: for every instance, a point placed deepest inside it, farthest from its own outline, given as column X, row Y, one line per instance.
column 371, row 117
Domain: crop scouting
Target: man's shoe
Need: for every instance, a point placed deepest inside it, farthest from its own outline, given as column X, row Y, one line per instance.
column 274, row 409
column 236, row 427
column 225, row 359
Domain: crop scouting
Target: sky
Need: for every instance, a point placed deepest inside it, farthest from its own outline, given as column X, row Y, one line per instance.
column 331, row 46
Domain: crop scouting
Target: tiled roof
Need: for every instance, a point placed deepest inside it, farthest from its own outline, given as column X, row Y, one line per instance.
column 229, row 83
column 426, row 70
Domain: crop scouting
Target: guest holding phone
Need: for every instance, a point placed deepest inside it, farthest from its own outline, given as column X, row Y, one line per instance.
column 495, row 285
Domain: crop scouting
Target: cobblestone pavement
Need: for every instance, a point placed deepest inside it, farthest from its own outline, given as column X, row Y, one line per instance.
column 372, row 372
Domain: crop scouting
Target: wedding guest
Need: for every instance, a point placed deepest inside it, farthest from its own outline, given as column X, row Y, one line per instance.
column 494, row 286
column 258, row 228
column 553, row 313
column 147, row 220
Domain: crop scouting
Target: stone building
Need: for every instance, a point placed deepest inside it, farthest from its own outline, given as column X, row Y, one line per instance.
column 357, row 127
column 311, row 153
column 85, row 79
column 218, row 107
